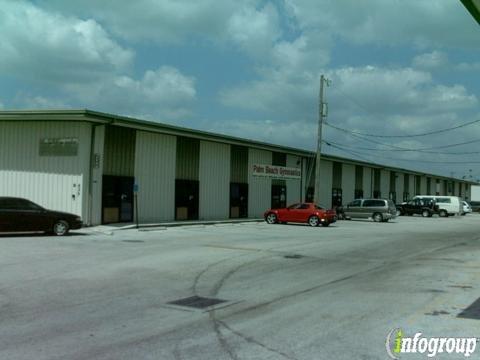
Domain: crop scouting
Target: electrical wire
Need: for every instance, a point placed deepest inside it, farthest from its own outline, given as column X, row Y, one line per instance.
column 402, row 149
column 406, row 136
column 353, row 134
column 410, row 160
column 395, row 136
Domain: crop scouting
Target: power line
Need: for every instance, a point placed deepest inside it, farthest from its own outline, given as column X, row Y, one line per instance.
column 361, row 137
column 405, row 136
column 406, row 150
column 410, row 160
column 359, row 105
column 354, row 153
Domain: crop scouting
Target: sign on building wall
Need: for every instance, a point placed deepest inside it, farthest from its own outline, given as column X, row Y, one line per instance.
column 277, row 172
column 58, row 147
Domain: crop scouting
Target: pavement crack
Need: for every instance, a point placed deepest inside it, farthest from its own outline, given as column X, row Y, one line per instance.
column 252, row 340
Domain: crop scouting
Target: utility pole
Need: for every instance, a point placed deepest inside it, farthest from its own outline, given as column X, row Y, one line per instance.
column 322, row 114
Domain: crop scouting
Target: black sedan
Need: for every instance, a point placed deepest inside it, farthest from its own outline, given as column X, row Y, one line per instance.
column 22, row 215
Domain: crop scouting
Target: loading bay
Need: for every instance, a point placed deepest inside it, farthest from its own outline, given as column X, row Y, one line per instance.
column 239, row 291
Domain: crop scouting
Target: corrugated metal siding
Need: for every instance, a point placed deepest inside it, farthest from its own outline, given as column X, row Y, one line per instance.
column 97, row 173
column 279, row 159
column 239, row 164
column 326, row 169
column 155, row 176
column 119, row 152
column 423, row 185
column 188, row 153
column 358, row 177
column 293, row 186
column 384, row 183
column 406, row 183
column 411, row 185
column 399, row 188
column 259, row 188
column 367, row 182
column 214, row 176
column 55, row 182
column 348, row 183
column 336, row 175
column 310, row 172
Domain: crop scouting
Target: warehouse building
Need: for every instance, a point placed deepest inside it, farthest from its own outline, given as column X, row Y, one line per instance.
column 95, row 165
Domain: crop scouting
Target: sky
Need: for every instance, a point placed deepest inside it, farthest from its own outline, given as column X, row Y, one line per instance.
column 251, row 69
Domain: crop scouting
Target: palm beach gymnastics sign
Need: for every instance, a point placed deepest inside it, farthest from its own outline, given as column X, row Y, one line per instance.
column 277, row 172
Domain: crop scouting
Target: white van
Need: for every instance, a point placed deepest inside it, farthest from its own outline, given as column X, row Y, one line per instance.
column 447, row 205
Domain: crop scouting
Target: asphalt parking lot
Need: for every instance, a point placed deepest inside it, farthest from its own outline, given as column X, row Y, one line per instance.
column 289, row 291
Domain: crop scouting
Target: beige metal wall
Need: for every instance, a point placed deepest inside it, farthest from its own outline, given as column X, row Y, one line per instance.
column 423, row 185
column 293, row 186
column 155, row 175
column 259, row 188
column 384, row 183
column 439, row 187
column 55, row 182
column 348, row 183
column 455, row 188
column 367, row 182
column 214, row 176
column 412, row 185
column 95, row 217
column 399, row 188
column 326, row 169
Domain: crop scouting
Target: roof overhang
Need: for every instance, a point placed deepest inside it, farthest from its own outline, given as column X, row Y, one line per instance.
column 152, row 126
column 473, row 6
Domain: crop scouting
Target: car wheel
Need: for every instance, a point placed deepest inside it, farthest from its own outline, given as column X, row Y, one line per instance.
column 426, row 213
column 271, row 218
column 442, row 213
column 60, row 228
column 313, row 221
column 377, row 217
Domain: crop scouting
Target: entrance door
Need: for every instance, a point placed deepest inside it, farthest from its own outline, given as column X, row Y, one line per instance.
column 117, row 199
column 186, row 199
column 279, row 196
column 238, row 200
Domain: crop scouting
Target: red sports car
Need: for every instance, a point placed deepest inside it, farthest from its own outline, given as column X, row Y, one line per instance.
column 309, row 213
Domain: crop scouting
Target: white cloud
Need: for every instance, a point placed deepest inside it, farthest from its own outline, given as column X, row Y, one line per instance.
column 270, row 131
column 255, row 31
column 40, row 102
column 159, row 21
column 45, row 46
column 406, row 22
column 432, row 60
column 465, row 66
column 165, row 94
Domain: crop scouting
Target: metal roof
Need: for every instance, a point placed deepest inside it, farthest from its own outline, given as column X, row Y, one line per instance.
column 473, row 6
column 124, row 121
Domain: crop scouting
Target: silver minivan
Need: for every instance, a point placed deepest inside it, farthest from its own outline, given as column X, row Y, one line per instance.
column 377, row 209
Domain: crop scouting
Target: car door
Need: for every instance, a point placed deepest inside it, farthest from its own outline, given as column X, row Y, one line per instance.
column 303, row 212
column 8, row 215
column 290, row 213
column 34, row 217
column 353, row 209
